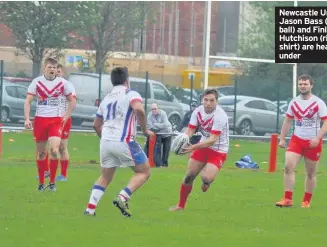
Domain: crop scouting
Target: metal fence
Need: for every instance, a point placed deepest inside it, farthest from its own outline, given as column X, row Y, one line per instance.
column 91, row 88
column 257, row 99
column 254, row 95
column 260, row 98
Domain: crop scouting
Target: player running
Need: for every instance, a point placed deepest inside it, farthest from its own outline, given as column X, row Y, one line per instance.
column 307, row 110
column 115, row 124
column 209, row 155
column 49, row 119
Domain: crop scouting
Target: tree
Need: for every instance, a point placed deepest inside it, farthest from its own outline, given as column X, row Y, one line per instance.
column 117, row 25
column 271, row 81
column 44, row 28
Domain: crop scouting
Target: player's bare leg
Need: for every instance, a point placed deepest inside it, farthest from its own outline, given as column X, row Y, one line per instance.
column 194, row 168
column 99, row 188
column 208, row 175
column 54, row 143
column 64, row 160
column 310, row 181
column 41, row 148
column 291, row 161
column 142, row 174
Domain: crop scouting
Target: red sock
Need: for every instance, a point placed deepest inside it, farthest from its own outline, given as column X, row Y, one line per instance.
column 185, row 190
column 288, row 195
column 53, row 170
column 91, row 206
column 64, row 167
column 307, row 197
column 40, row 170
column 46, row 164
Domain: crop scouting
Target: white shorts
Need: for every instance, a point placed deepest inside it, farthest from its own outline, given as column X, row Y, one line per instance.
column 121, row 154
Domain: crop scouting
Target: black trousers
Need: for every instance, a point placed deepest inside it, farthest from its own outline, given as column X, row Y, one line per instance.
column 166, row 144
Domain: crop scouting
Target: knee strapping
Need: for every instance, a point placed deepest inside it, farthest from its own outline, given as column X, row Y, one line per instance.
column 54, row 153
column 63, row 151
column 189, row 179
column 288, row 170
column 311, row 176
column 42, row 155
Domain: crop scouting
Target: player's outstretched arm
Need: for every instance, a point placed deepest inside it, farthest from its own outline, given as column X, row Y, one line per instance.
column 27, row 110
column 286, row 125
column 285, row 128
column 99, row 119
column 190, row 131
column 207, row 143
column 71, row 105
column 192, row 124
column 140, row 114
column 323, row 116
column 27, row 106
column 323, row 131
column 97, row 125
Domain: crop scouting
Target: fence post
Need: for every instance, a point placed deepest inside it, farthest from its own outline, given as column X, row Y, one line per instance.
column 1, row 87
column 152, row 145
column 278, row 105
column 235, row 101
column 273, row 153
column 100, row 85
column 146, row 92
column 1, row 125
column 192, row 85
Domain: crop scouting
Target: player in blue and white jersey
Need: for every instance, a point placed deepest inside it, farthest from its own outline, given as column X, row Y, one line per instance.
column 115, row 123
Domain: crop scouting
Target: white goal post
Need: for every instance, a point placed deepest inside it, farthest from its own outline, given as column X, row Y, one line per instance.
column 207, row 56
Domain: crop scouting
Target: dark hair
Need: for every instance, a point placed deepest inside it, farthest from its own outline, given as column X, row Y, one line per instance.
column 119, row 75
column 51, row 61
column 306, row 77
column 59, row 66
column 211, row 91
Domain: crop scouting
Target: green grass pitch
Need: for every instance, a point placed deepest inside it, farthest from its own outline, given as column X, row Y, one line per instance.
column 237, row 210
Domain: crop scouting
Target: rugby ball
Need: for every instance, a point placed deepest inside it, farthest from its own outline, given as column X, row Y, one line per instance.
column 180, row 142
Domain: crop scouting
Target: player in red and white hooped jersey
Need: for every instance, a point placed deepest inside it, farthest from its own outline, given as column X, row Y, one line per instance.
column 49, row 119
column 63, row 150
column 307, row 111
column 209, row 155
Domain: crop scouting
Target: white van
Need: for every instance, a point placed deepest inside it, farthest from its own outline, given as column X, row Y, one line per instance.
column 87, row 89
